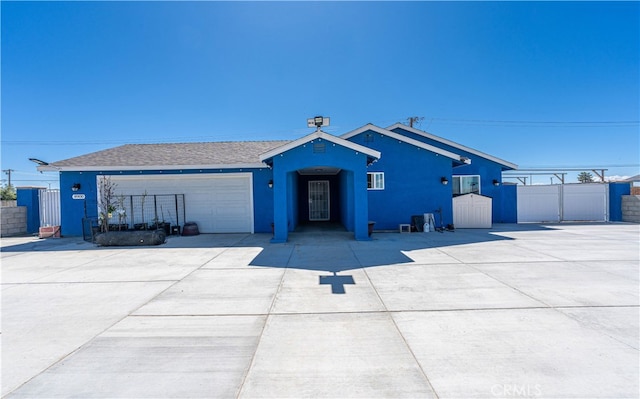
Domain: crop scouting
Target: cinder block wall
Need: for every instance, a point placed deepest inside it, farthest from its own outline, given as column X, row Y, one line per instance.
column 631, row 208
column 13, row 221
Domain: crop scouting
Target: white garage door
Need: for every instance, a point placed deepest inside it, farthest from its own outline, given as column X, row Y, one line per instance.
column 218, row 203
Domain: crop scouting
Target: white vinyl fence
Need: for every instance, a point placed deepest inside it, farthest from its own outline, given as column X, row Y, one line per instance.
column 563, row 202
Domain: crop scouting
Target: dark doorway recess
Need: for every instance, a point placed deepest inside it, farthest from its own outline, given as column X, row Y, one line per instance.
column 334, row 198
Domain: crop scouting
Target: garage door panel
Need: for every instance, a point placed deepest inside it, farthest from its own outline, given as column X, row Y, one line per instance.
column 218, row 203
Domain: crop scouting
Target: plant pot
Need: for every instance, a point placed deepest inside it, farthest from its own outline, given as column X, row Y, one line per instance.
column 140, row 226
column 118, row 227
column 190, row 229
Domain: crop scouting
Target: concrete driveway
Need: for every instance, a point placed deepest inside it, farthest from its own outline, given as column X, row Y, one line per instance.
column 517, row 311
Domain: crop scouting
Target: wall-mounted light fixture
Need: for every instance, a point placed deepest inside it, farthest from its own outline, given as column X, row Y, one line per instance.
column 75, row 187
column 496, row 182
column 270, row 183
column 444, row 180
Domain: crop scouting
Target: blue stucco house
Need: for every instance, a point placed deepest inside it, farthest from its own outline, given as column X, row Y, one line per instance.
column 385, row 175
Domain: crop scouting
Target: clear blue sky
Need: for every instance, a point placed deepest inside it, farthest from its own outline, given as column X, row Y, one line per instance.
column 537, row 84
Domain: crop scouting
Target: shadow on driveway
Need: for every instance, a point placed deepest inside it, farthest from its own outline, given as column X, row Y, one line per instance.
column 336, row 251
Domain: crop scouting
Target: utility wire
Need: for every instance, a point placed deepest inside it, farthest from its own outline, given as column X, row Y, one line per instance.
column 443, row 121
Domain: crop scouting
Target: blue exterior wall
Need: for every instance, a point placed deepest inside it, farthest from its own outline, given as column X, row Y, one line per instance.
column 73, row 211
column 285, row 189
column 412, row 178
column 262, row 200
column 292, row 201
column 487, row 170
column 30, row 198
column 616, row 191
column 347, row 201
column 505, row 204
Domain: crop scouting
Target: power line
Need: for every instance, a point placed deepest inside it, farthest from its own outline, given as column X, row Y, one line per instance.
column 540, row 122
column 410, row 120
column 629, row 165
column 537, row 124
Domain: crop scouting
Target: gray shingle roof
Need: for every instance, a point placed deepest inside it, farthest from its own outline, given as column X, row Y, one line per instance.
column 182, row 154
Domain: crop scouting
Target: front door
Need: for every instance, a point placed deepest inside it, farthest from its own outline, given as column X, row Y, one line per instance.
column 318, row 200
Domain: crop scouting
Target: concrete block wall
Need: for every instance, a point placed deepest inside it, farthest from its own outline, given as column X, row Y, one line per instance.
column 631, row 208
column 13, row 221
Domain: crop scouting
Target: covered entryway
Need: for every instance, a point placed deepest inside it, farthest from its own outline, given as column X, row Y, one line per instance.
column 218, row 203
column 320, row 178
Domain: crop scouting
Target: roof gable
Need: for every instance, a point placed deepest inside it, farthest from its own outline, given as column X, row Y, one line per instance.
column 319, row 134
column 453, row 144
column 405, row 139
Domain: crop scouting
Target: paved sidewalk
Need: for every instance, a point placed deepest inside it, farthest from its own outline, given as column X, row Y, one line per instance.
column 546, row 311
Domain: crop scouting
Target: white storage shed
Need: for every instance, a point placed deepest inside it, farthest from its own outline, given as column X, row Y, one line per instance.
column 472, row 211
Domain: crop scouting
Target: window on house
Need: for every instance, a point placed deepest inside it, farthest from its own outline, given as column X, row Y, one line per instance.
column 466, row 185
column 375, row 180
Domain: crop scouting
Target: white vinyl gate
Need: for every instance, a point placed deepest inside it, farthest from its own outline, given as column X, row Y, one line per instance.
column 563, row 202
column 49, row 201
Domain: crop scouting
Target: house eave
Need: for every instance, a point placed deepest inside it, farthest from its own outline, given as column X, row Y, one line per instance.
column 129, row 168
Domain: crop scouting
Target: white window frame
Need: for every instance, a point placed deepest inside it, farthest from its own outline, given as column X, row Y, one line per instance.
column 376, row 183
column 459, row 178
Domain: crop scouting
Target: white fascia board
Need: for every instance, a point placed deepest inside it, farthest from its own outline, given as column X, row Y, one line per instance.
column 50, row 168
column 319, row 134
column 454, row 144
column 405, row 139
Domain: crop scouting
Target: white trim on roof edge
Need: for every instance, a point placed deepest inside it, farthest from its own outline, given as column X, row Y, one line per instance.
column 407, row 140
column 453, row 144
column 319, row 134
column 53, row 168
